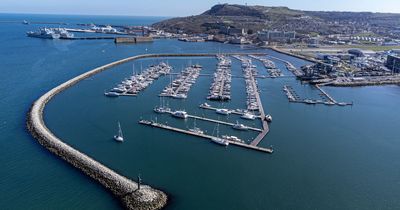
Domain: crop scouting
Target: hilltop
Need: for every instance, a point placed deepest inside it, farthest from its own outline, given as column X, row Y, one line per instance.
column 255, row 18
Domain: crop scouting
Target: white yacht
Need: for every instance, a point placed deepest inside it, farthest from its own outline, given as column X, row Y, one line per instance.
column 111, row 94
column 248, row 116
column 180, row 114
column 232, row 138
column 119, row 137
column 239, row 126
column 223, row 111
column 196, row 129
column 218, row 140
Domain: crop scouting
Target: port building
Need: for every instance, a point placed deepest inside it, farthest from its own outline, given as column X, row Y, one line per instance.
column 393, row 63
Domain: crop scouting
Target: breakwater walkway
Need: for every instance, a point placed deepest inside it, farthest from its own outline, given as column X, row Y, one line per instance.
column 123, row 188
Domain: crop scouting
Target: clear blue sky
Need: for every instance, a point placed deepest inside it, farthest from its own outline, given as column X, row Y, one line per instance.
column 181, row 7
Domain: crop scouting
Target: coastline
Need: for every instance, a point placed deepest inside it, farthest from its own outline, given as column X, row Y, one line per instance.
column 123, row 188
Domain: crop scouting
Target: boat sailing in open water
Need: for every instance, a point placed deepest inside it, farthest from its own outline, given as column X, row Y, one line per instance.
column 119, row 137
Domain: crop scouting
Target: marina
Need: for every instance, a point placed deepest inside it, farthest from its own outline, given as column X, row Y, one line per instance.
column 180, row 87
column 184, row 115
column 220, row 89
column 326, row 99
column 270, row 66
column 138, row 82
column 204, row 136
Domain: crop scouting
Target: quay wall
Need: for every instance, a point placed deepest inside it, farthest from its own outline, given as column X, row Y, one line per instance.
column 123, row 188
column 132, row 39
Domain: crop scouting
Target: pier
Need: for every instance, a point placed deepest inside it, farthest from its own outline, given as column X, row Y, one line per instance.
column 180, row 87
column 204, row 136
column 254, row 100
column 327, row 99
column 215, row 121
column 241, row 112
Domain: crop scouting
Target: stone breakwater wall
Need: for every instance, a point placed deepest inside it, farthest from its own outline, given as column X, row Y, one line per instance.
column 123, row 188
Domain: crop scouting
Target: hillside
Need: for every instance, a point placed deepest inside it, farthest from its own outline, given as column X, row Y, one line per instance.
column 257, row 18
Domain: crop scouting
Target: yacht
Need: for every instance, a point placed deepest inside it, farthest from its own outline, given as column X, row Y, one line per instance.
column 223, row 111
column 309, row 101
column 231, row 138
column 111, row 94
column 341, row 104
column 119, row 137
column 205, row 105
column 238, row 126
column 180, row 114
column 218, row 140
column 330, row 103
column 248, row 116
column 196, row 129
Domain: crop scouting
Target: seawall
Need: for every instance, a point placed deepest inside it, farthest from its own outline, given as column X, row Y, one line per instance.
column 123, row 188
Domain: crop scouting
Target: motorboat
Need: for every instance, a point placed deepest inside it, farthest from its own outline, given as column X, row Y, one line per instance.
column 239, row 126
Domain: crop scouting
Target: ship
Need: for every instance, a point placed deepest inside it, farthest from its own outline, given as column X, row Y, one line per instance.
column 44, row 33
column 64, row 34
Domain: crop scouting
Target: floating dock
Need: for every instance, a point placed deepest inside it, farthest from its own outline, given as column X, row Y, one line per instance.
column 216, row 121
column 204, row 136
column 231, row 111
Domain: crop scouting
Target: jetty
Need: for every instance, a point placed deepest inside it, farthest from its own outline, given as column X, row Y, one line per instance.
column 138, row 82
column 213, row 120
column 253, row 96
column 220, row 89
column 180, row 87
column 326, row 98
column 204, row 136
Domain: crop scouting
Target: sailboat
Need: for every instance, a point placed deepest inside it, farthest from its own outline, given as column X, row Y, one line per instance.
column 119, row 137
column 218, row 140
column 196, row 129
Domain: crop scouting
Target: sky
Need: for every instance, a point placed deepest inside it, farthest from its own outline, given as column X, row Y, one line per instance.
column 182, row 7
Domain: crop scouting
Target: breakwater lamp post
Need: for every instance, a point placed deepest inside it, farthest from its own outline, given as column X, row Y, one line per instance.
column 139, row 181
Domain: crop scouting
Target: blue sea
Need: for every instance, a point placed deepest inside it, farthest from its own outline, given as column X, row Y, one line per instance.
column 325, row 157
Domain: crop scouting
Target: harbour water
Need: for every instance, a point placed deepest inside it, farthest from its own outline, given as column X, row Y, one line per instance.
column 326, row 157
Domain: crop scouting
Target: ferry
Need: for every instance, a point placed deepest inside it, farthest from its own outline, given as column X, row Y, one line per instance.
column 44, row 33
column 119, row 137
column 180, row 114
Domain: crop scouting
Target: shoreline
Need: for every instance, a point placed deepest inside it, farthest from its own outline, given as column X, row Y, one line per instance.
column 122, row 187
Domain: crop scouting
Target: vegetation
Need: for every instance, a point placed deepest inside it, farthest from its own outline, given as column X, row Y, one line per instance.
column 256, row 18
